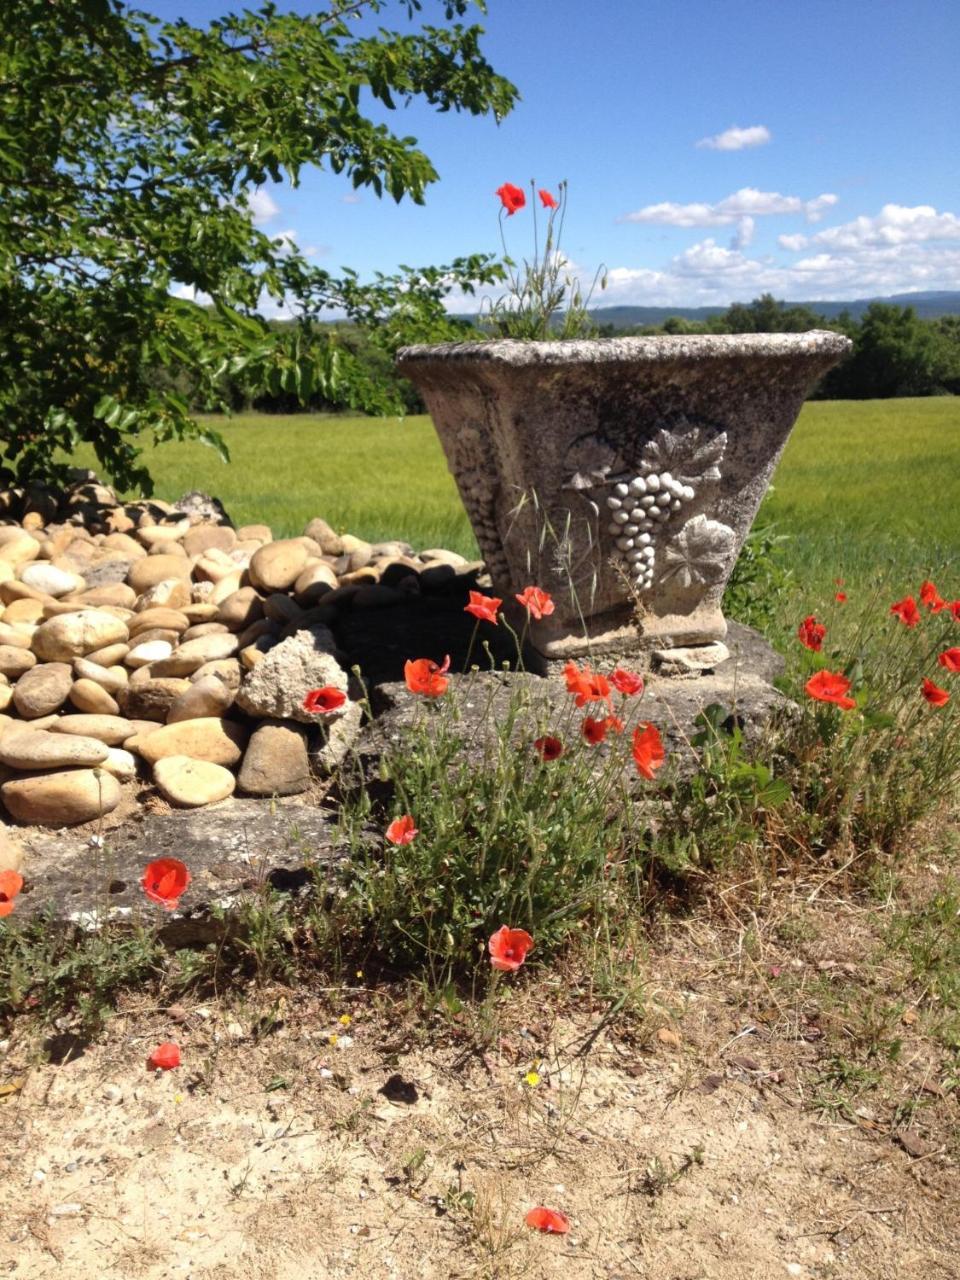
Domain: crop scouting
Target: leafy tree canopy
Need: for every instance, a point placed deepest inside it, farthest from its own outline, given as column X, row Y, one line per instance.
column 129, row 150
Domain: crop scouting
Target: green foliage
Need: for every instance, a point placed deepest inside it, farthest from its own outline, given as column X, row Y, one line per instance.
column 719, row 808
column 862, row 778
column 759, row 586
column 545, row 300
column 928, row 936
column 129, row 149
column 895, row 354
column 505, row 838
column 50, row 969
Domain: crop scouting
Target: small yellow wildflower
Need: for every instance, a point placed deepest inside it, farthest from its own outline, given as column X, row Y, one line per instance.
column 333, row 1039
column 532, row 1078
column 344, row 1019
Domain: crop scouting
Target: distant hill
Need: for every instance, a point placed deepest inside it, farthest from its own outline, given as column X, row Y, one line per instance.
column 928, row 306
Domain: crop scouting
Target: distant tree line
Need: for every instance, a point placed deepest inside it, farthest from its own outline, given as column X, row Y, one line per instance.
column 895, row 353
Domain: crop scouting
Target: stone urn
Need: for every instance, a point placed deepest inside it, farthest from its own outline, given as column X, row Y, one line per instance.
column 622, row 475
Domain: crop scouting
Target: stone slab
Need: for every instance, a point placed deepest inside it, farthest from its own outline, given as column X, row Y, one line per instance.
column 231, row 849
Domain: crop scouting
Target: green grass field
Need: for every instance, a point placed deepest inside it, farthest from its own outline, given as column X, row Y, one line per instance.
column 862, row 483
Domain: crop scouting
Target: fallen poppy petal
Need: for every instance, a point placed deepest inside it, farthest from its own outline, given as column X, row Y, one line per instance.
column 165, row 1057
column 551, row 1221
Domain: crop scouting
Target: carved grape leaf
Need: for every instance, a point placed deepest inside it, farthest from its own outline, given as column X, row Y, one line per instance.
column 687, row 455
column 699, row 553
column 590, row 461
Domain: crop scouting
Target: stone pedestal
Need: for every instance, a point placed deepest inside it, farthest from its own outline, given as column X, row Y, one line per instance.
column 621, row 475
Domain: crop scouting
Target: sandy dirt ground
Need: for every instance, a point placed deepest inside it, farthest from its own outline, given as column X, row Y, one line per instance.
column 685, row 1144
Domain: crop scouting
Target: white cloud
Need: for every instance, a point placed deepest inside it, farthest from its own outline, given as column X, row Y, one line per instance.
column 747, row 202
column 743, row 236
column 351, row 198
column 190, row 293
column 262, row 206
column 737, row 139
column 896, row 224
column 793, row 244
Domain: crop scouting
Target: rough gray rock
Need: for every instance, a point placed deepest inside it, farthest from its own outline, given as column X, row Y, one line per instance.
column 276, row 687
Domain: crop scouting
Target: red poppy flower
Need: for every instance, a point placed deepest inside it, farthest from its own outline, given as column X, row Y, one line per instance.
column 841, row 597
column 483, row 607
column 954, row 607
column 511, row 197
column 907, row 611
column 627, row 682
column 165, row 1057
column 950, row 660
column 508, row 948
column 594, row 731
column 810, row 633
column 165, row 881
column 322, row 700
column 587, row 685
column 401, row 830
column 424, row 676
column 547, row 200
column 550, row 1220
column 829, row 686
column 548, row 748
column 931, row 597
column 11, row 882
column 936, row 696
column 536, row 602
column 648, row 752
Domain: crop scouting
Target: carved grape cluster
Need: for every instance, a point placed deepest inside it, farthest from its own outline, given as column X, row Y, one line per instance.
column 637, row 507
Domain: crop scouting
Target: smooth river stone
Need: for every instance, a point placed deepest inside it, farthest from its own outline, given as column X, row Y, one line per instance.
column 191, row 783
column 152, row 570
column 209, row 537
column 151, row 699
column 113, row 679
column 210, row 738
column 109, row 729
column 171, row 593
column 90, row 697
column 240, row 609
column 122, row 764
column 43, row 689
column 194, row 653
column 275, row 762
column 277, row 566
column 14, row 661
column 74, row 635
column 16, row 546
column 168, row 619
column 39, row 749
column 205, row 698
column 61, row 799
column 52, row 581
column 142, row 655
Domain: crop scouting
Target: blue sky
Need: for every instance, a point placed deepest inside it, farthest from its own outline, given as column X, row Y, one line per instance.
column 843, row 180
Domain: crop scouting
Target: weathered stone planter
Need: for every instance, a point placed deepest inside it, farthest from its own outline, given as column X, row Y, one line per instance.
column 622, row 474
